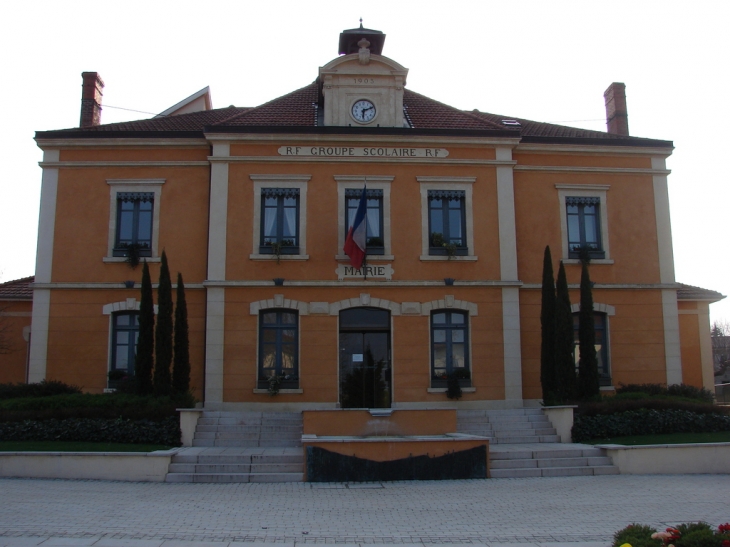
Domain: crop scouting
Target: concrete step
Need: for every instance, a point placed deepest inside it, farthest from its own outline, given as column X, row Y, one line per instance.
column 234, row 477
column 522, row 472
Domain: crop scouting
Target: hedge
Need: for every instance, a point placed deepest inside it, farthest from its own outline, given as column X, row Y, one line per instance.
column 616, row 405
column 165, row 432
column 674, row 390
column 41, row 389
column 647, row 422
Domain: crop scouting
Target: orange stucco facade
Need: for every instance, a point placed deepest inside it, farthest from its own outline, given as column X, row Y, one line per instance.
column 209, row 193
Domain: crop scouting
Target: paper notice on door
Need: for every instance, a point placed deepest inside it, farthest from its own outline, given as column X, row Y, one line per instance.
column 357, row 357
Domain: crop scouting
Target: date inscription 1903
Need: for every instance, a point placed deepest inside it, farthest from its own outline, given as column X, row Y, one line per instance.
column 364, row 80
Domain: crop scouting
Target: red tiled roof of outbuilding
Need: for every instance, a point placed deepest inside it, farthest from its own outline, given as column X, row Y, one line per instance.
column 690, row 292
column 17, row 289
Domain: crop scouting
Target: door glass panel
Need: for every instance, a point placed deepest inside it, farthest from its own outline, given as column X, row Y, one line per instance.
column 365, row 372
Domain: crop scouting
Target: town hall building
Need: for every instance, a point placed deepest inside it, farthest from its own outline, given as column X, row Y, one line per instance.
column 253, row 205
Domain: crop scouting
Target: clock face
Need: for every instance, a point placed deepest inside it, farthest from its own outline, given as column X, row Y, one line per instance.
column 363, row 111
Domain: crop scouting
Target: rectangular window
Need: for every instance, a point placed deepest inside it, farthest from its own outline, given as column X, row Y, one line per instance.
column 449, row 348
column 134, row 223
column 279, row 221
column 584, row 227
column 278, row 348
column 601, row 330
column 447, row 223
column 374, row 217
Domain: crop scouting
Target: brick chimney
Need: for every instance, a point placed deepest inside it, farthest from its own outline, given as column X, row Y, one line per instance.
column 617, row 117
column 91, row 99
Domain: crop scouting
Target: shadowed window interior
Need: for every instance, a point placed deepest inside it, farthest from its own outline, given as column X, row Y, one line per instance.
column 134, row 223
column 584, row 227
column 125, row 332
column 449, row 348
column 374, row 217
column 601, row 329
column 279, row 221
column 279, row 348
column 447, row 222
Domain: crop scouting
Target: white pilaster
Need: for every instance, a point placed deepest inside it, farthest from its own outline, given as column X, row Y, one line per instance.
column 506, row 212
column 508, row 272
column 666, row 273
column 671, row 337
column 512, row 345
column 43, row 267
column 214, row 346
column 215, row 308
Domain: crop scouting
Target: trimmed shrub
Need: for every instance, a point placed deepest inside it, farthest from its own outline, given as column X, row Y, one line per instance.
column 674, row 390
column 631, row 401
column 166, row 431
column 87, row 405
column 41, row 389
column 647, row 422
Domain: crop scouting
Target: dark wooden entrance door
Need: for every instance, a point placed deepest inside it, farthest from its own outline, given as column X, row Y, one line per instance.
column 365, row 371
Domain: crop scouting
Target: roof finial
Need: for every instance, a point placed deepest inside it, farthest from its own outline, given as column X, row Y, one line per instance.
column 360, row 22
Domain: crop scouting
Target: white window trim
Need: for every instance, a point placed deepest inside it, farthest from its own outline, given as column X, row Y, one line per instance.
column 345, row 182
column 464, row 184
column 280, row 181
column 584, row 190
column 133, row 185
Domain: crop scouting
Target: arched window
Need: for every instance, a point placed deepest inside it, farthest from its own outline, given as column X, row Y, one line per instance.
column 279, row 348
column 449, row 347
column 125, row 332
column 600, row 322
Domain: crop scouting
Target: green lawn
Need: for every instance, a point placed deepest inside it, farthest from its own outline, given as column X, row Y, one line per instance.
column 61, row 446
column 672, row 438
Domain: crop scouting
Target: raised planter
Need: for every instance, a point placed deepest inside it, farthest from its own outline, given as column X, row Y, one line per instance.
column 110, row 466
column 670, row 459
column 562, row 419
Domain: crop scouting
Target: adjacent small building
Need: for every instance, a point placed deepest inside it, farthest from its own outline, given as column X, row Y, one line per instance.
column 252, row 206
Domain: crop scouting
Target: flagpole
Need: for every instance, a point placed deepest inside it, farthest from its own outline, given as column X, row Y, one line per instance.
column 365, row 260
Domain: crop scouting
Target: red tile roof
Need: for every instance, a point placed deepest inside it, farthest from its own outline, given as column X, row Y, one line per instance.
column 296, row 108
column 299, row 109
column 18, row 289
column 690, row 292
column 425, row 113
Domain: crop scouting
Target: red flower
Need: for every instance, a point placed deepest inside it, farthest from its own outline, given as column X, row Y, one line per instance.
column 724, row 528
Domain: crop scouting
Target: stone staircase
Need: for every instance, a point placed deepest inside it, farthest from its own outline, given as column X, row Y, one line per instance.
column 571, row 461
column 523, row 444
column 520, row 425
column 242, row 447
column 249, row 429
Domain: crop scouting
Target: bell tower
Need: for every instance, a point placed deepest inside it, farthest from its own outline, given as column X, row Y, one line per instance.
column 362, row 88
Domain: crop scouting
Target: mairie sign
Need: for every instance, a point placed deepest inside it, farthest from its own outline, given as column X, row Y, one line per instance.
column 363, row 152
column 374, row 271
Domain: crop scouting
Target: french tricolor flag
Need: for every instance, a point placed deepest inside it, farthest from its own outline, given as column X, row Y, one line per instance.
column 356, row 241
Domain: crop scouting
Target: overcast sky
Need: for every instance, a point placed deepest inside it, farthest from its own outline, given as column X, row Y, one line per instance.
column 547, row 61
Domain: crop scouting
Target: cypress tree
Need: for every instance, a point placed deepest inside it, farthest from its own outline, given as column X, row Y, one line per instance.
column 146, row 340
column 181, row 360
column 547, row 323
column 588, row 380
column 564, row 360
column 163, row 332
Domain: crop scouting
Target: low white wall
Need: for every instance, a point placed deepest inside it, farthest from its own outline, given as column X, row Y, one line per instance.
column 562, row 419
column 670, row 459
column 188, row 422
column 112, row 466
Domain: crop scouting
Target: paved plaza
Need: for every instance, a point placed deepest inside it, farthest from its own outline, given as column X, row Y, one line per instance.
column 575, row 511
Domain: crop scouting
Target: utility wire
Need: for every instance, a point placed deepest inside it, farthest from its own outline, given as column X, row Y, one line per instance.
column 127, row 109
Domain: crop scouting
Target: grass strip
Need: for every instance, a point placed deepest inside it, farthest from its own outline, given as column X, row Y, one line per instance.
column 669, row 438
